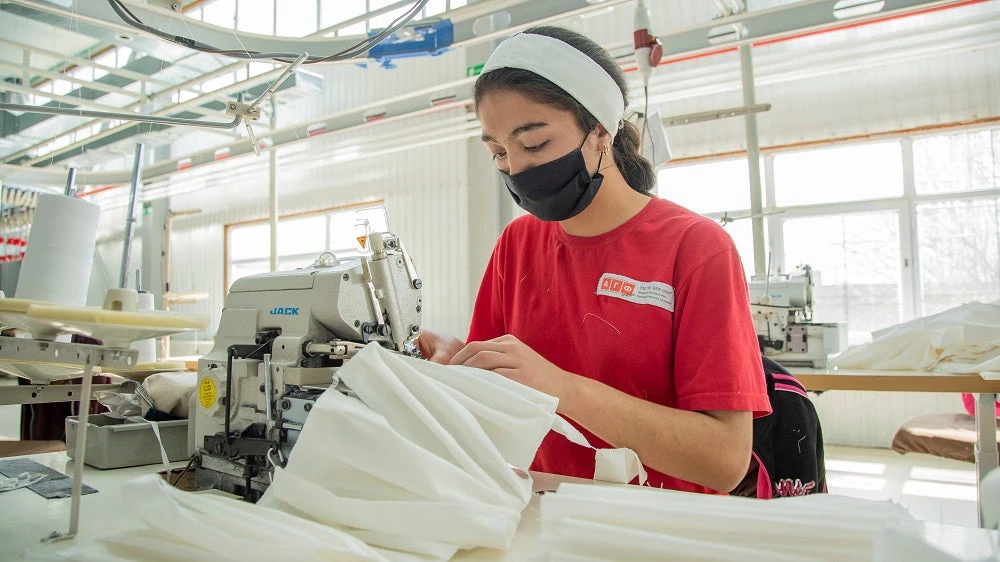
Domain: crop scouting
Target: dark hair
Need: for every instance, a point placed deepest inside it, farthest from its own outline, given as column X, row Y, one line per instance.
column 638, row 172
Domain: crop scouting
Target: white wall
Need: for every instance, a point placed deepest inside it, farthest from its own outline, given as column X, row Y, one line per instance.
column 820, row 88
column 425, row 194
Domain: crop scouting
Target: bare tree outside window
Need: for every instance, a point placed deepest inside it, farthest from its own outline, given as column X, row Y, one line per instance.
column 857, row 262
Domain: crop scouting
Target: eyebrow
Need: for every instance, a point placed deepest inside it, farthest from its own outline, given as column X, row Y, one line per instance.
column 519, row 130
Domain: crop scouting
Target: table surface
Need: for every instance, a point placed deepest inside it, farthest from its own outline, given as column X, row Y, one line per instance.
column 26, row 517
column 900, row 381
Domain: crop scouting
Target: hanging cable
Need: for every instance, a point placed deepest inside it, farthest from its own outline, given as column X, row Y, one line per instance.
column 645, row 127
column 353, row 51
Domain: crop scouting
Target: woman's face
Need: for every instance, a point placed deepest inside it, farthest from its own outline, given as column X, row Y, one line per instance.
column 521, row 133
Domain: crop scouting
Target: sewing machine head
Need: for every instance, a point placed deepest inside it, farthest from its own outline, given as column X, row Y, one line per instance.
column 281, row 338
column 782, row 308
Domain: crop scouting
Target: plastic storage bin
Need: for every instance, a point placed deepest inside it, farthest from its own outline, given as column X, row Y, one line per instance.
column 115, row 443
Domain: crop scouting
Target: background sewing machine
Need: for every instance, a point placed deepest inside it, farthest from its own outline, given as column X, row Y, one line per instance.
column 281, row 338
column 782, row 308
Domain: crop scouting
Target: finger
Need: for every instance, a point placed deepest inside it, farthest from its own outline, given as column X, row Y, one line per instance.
column 506, row 338
column 515, row 375
column 473, row 348
column 425, row 347
column 428, row 342
column 440, row 357
column 489, row 360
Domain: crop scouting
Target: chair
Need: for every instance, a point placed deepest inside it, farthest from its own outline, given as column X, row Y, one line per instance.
column 787, row 444
column 951, row 436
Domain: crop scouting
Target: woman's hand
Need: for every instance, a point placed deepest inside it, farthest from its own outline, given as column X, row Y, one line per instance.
column 510, row 357
column 437, row 348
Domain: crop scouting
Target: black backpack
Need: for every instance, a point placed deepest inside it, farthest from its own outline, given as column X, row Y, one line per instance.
column 787, row 444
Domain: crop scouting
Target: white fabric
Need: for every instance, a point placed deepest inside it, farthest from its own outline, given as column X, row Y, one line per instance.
column 186, row 526
column 960, row 340
column 638, row 523
column 155, row 426
column 419, row 458
column 171, row 392
column 416, row 461
column 563, row 65
column 893, row 545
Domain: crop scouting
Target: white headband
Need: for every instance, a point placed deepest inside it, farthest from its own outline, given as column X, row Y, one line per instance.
column 566, row 67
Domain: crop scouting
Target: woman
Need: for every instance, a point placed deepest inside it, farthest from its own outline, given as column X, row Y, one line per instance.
column 629, row 309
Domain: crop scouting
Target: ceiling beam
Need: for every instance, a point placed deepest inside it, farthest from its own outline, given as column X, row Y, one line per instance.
column 69, row 100
column 84, row 97
column 100, row 13
column 92, row 84
column 205, row 104
column 762, row 27
column 123, row 72
column 250, row 88
column 523, row 13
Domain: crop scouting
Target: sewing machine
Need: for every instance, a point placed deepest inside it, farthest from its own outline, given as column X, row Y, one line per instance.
column 782, row 308
column 281, row 338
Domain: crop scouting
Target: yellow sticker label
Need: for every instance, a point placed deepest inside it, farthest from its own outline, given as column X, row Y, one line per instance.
column 363, row 241
column 206, row 392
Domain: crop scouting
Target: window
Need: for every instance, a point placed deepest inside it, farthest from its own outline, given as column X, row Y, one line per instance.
column 221, row 13
column 255, row 17
column 719, row 190
column 221, row 81
column 332, row 12
column 385, row 20
column 845, row 211
column 741, row 231
column 712, row 187
column 856, row 264
column 434, row 7
column 301, row 239
column 959, row 252
column 838, row 174
column 954, row 163
column 300, row 18
column 295, row 18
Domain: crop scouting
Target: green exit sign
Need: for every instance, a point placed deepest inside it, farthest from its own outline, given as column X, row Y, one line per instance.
column 474, row 70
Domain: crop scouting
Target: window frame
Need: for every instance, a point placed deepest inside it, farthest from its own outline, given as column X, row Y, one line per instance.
column 197, row 11
column 327, row 212
column 905, row 205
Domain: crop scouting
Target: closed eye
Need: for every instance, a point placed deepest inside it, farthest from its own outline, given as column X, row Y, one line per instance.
column 536, row 148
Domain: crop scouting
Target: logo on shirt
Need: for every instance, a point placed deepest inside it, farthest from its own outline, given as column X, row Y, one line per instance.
column 640, row 292
column 619, row 286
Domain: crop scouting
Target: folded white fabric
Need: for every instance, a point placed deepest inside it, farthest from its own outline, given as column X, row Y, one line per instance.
column 960, row 340
column 633, row 523
column 186, row 526
column 171, row 392
column 417, row 460
column 419, row 457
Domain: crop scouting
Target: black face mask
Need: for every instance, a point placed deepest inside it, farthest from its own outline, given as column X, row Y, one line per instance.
column 557, row 190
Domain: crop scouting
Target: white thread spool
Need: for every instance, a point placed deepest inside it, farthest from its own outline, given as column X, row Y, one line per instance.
column 147, row 348
column 60, row 251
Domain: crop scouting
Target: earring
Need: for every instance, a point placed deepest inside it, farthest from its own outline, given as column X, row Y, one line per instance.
column 606, row 150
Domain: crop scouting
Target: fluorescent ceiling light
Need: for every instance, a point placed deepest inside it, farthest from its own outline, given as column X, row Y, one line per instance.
column 853, row 8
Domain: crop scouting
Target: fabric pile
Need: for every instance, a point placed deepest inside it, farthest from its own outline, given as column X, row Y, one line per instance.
column 596, row 523
column 960, row 340
column 416, row 462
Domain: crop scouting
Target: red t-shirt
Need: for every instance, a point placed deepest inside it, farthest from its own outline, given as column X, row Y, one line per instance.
column 657, row 308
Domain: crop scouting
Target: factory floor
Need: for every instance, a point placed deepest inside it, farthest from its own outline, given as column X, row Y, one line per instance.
column 932, row 488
